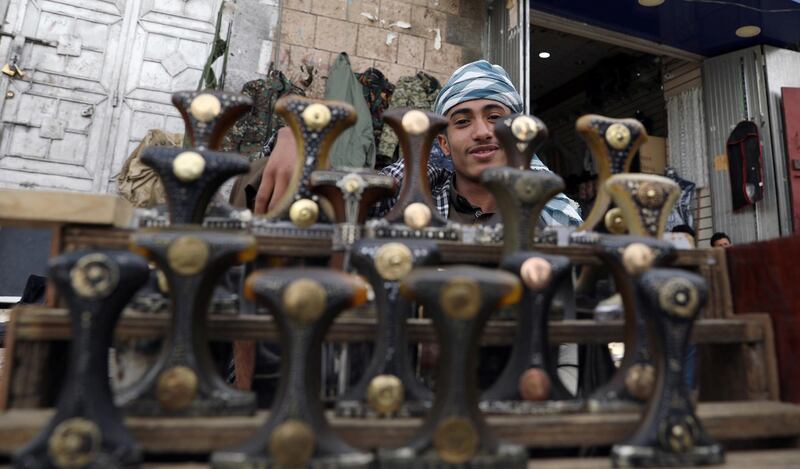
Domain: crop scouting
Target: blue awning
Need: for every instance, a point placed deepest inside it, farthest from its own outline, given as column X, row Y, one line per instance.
column 706, row 27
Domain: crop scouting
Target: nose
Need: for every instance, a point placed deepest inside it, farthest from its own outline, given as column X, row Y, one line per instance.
column 483, row 130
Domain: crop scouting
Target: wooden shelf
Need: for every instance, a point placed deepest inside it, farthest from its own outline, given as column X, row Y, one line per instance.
column 37, row 323
column 724, row 421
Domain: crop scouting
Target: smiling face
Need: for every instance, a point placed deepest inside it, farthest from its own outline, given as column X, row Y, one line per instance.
column 470, row 139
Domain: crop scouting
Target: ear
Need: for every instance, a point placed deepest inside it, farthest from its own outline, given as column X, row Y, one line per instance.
column 443, row 143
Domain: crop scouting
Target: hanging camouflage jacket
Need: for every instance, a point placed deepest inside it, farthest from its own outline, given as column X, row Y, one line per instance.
column 418, row 91
column 253, row 130
column 378, row 93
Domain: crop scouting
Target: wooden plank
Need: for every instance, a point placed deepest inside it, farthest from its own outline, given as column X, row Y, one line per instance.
column 37, row 323
column 771, row 459
column 26, row 207
column 8, row 360
column 725, row 421
column 707, row 262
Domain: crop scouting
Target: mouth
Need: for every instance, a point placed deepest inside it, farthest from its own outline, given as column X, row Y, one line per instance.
column 483, row 152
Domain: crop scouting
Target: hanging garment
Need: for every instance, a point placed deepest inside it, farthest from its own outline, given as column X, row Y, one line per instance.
column 682, row 212
column 378, row 93
column 745, row 165
column 138, row 183
column 355, row 147
column 251, row 132
column 419, row 92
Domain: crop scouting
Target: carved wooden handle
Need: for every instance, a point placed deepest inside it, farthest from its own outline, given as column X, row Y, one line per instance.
column 645, row 200
column 209, row 114
column 613, row 143
column 415, row 130
column 520, row 136
column 315, row 125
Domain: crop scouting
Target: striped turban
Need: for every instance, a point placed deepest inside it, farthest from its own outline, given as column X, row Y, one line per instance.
column 478, row 80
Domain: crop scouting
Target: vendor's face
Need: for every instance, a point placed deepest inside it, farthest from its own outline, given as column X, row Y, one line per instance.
column 722, row 243
column 470, row 139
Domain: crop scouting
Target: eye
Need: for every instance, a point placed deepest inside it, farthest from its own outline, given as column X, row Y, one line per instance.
column 461, row 122
column 494, row 117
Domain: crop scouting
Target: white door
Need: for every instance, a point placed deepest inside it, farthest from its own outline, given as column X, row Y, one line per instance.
column 97, row 75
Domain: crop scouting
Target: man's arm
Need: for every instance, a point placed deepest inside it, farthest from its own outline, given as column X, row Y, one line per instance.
column 277, row 173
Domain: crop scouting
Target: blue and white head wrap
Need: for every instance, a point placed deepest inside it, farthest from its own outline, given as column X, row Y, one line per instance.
column 478, row 80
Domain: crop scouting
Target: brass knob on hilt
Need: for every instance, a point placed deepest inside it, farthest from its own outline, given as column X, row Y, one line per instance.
column 521, row 136
column 613, row 143
column 315, row 125
column 645, row 200
column 415, row 131
column 191, row 176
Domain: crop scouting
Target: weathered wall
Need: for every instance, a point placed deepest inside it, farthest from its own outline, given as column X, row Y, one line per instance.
column 399, row 37
column 253, row 36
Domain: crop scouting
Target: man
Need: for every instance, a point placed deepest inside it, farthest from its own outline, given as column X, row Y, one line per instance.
column 475, row 97
column 720, row 240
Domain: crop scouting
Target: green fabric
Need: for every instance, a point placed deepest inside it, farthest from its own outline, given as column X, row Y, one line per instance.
column 355, row 147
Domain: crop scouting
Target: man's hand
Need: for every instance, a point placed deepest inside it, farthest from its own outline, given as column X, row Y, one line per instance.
column 277, row 173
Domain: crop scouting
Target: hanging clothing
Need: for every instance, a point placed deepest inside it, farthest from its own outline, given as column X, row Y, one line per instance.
column 138, row 183
column 378, row 93
column 249, row 134
column 355, row 147
column 682, row 212
column 419, row 92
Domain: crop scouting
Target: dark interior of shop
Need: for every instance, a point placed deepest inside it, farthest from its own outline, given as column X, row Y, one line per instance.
column 572, row 76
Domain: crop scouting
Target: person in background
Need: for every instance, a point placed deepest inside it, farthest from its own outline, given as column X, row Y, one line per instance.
column 720, row 240
column 689, row 232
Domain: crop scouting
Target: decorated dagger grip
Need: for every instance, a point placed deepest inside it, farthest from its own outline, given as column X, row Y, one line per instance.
column 627, row 258
column 645, row 201
column 87, row 429
column 304, row 302
column 209, row 114
column 669, row 433
column 521, row 136
column 389, row 380
column 415, row 130
column 351, row 194
column 192, row 176
column 613, row 143
column 520, row 192
column 460, row 299
column 315, row 126
column 184, row 380
column 530, row 374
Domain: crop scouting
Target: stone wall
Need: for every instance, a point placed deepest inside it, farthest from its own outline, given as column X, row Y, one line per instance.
column 253, row 33
column 399, row 37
